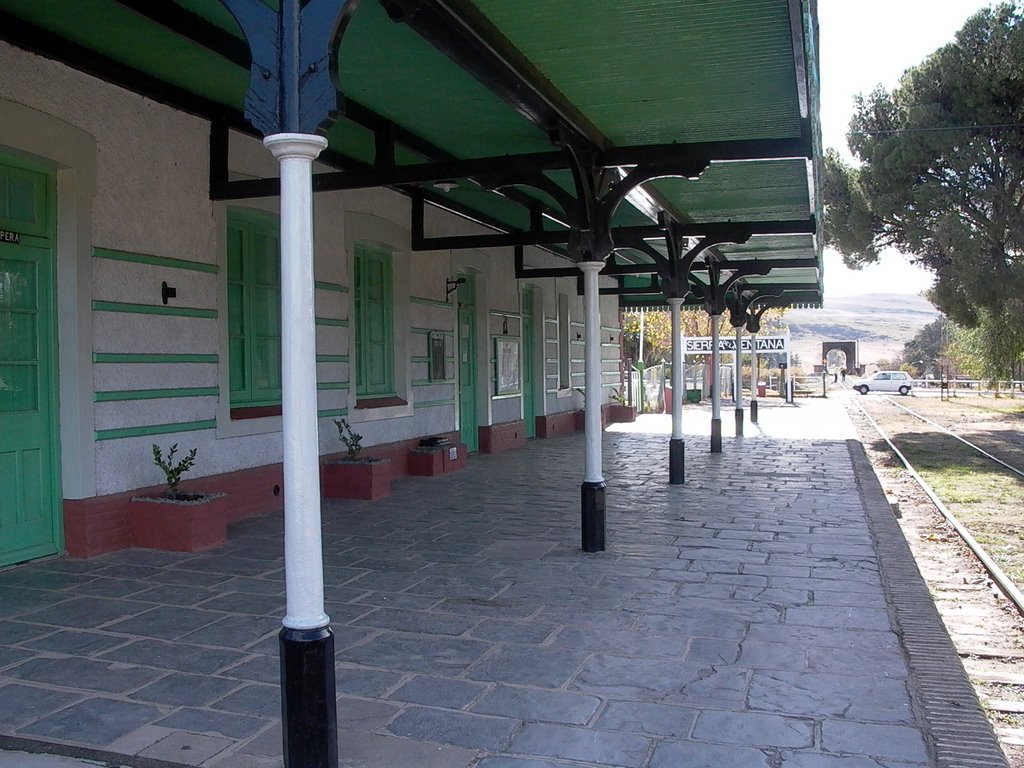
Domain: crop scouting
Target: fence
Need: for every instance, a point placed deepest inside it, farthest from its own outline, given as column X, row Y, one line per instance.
column 965, row 387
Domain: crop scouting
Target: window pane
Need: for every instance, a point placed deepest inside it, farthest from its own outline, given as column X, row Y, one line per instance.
column 265, row 259
column 266, row 311
column 236, row 267
column 19, row 388
column 236, row 309
column 17, row 284
column 254, row 309
column 374, row 322
column 17, row 336
column 22, row 197
column 237, row 365
column 266, row 364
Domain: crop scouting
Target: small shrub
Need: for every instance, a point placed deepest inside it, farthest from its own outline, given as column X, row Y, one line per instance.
column 173, row 470
column 351, row 440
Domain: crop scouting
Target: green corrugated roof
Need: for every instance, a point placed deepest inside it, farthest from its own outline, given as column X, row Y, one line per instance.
column 641, row 72
column 658, row 71
column 774, row 190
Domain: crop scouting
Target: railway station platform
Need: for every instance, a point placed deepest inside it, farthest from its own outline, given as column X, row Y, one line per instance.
column 766, row 613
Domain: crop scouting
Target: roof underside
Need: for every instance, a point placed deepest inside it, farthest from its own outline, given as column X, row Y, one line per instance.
column 635, row 75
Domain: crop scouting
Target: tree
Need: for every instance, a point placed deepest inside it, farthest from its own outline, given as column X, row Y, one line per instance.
column 925, row 351
column 992, row 349
column 941, row 174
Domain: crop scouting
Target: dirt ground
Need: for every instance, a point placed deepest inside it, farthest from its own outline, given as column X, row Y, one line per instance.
column 987, row 629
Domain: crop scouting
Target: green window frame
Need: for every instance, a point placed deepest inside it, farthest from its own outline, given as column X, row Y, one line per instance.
column 374, row 318
column 254, row 309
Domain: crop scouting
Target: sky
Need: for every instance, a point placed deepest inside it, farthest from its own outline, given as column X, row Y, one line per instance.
column 864, row 43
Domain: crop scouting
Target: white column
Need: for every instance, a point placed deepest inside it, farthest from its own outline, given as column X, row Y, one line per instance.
column 303, row 554
column 678, row 364
column 753, row 367
column 737, row 371
column 716, row 395
column 592, row 371
column 788, row 384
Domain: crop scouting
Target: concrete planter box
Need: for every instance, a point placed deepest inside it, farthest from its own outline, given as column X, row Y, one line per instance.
column 356, row 479
column 192, row 523
column 621, row 414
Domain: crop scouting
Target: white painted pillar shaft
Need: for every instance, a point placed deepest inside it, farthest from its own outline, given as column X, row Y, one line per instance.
column 788, row 386
column 753, row 367
column 592, row 371
column 303, row 553
column 678, row 365
column 737, row 371
column 716, row 394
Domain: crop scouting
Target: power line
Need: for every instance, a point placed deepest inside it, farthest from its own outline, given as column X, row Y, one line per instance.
column 964, row 128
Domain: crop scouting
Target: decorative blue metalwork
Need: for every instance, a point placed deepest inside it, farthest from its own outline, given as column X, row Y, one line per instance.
column 293, row 86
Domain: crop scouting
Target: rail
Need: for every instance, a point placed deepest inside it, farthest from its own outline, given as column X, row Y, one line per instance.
column 1000, row 579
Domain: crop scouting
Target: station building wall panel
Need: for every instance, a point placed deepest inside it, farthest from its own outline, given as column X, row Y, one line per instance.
column 134, row 213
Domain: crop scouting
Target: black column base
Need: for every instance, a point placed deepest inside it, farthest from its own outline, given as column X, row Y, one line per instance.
column 753, row 411
column 309, row 708
column 739, row 422
column 716, row 435
column 676, row 461
column 592, row 516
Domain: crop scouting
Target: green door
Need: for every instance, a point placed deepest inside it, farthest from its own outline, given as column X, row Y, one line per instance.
column 29, row 499
column 468, row 432
column 529, row 407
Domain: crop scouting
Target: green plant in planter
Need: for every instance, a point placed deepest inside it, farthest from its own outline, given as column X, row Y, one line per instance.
column 618, row 397
column 352, row 440
column 173, row 470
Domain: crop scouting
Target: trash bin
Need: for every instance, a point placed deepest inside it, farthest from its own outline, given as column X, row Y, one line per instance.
column 693, row 395
column 762, row 388
column 668, row 399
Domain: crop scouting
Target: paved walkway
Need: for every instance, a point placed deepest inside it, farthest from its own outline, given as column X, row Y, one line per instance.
column 739, row 620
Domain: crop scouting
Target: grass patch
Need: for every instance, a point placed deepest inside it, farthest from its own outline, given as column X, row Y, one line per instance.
column 985, row 497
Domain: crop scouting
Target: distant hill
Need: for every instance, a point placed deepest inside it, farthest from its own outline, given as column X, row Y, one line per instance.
column 881, row 322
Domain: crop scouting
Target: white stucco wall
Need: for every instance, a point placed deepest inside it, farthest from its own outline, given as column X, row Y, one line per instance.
column 148, row 169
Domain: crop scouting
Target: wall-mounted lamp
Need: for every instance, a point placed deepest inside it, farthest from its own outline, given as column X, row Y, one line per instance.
column 167, row 292
column 445, row 186
column 578, row 335
column 504, row 327
column 450, row 286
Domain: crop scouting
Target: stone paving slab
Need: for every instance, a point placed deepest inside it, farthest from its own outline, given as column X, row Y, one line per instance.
column 742, row 619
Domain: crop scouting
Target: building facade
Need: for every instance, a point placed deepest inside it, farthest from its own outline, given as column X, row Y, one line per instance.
column 137, row 310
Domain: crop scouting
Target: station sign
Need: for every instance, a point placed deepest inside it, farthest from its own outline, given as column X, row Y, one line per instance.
column 701, row 345
column 6, row 236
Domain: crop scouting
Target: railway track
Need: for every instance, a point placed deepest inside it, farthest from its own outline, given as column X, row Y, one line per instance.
column 963, row 559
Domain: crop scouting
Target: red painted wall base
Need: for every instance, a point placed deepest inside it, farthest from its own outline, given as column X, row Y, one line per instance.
column 428, row 462
column 104, row 523
column 497, row 438
column 556, row 424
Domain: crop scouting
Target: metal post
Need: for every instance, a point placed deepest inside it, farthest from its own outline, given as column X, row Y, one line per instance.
column 308, row 704
column 677, row 446
column 716, row 395
column 592, row 492
column 753, row 378
column 789, row 375
column 737, row 377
